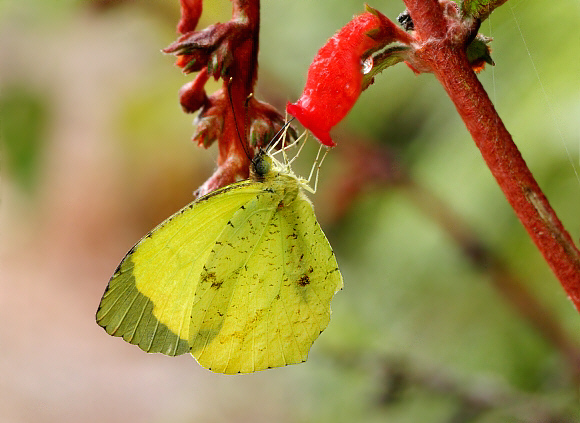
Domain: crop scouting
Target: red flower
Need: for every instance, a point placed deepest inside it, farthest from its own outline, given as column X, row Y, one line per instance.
column 335, row 76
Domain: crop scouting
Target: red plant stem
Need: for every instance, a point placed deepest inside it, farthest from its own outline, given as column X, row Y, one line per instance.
column 511, row 172
column 427, row 18
column 513, row 290
column 243, row 76
column 367, row 166
column 448, row 61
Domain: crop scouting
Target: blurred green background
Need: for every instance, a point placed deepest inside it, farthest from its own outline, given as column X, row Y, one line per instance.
column 95, row 151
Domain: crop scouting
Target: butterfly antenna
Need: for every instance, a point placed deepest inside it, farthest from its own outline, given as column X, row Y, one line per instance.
column 280, row 135
column 244, row 146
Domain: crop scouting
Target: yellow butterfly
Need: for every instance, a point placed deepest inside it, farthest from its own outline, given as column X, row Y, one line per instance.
column 241, row 278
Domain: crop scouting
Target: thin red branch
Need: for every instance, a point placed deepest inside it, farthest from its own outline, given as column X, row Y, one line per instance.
column 512, row 174
column 243, row 74
column 368, row 166
column 508, row 285
column 227, row 51
column 446, row 58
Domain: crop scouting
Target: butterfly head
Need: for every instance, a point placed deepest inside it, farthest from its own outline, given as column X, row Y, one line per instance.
column 261, row 166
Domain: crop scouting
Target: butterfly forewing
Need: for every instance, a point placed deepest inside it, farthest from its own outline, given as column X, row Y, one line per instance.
column 149, row 298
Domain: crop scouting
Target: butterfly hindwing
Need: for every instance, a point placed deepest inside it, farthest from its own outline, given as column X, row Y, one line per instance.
column 265, row 307
column 310, row 278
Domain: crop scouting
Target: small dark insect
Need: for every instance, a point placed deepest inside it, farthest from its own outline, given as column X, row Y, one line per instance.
column 406, row 21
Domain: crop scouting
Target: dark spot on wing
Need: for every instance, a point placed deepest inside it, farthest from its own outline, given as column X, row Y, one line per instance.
column 304, row 280
column 210, row 277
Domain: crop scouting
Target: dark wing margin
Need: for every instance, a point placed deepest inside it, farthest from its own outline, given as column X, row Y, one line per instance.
column 125, row 312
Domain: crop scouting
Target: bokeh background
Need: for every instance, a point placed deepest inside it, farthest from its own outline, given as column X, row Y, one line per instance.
column 449, row 314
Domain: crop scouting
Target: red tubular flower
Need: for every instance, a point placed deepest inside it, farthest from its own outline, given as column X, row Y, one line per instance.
column 335, row 76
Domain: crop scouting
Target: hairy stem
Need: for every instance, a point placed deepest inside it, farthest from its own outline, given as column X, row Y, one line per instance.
column 447, row 60
column 241, row 84
column 370, row 165
column 509, row 286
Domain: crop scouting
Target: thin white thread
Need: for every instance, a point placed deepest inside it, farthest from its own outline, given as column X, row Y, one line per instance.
column 494, row 88
column 492, row 67
column 546, row 99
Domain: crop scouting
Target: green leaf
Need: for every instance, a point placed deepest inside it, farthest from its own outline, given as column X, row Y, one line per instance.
column 480, row 9
column 380, row 61
column 478, row 52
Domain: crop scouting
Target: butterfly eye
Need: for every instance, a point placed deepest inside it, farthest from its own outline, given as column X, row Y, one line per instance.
column 262, row 165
